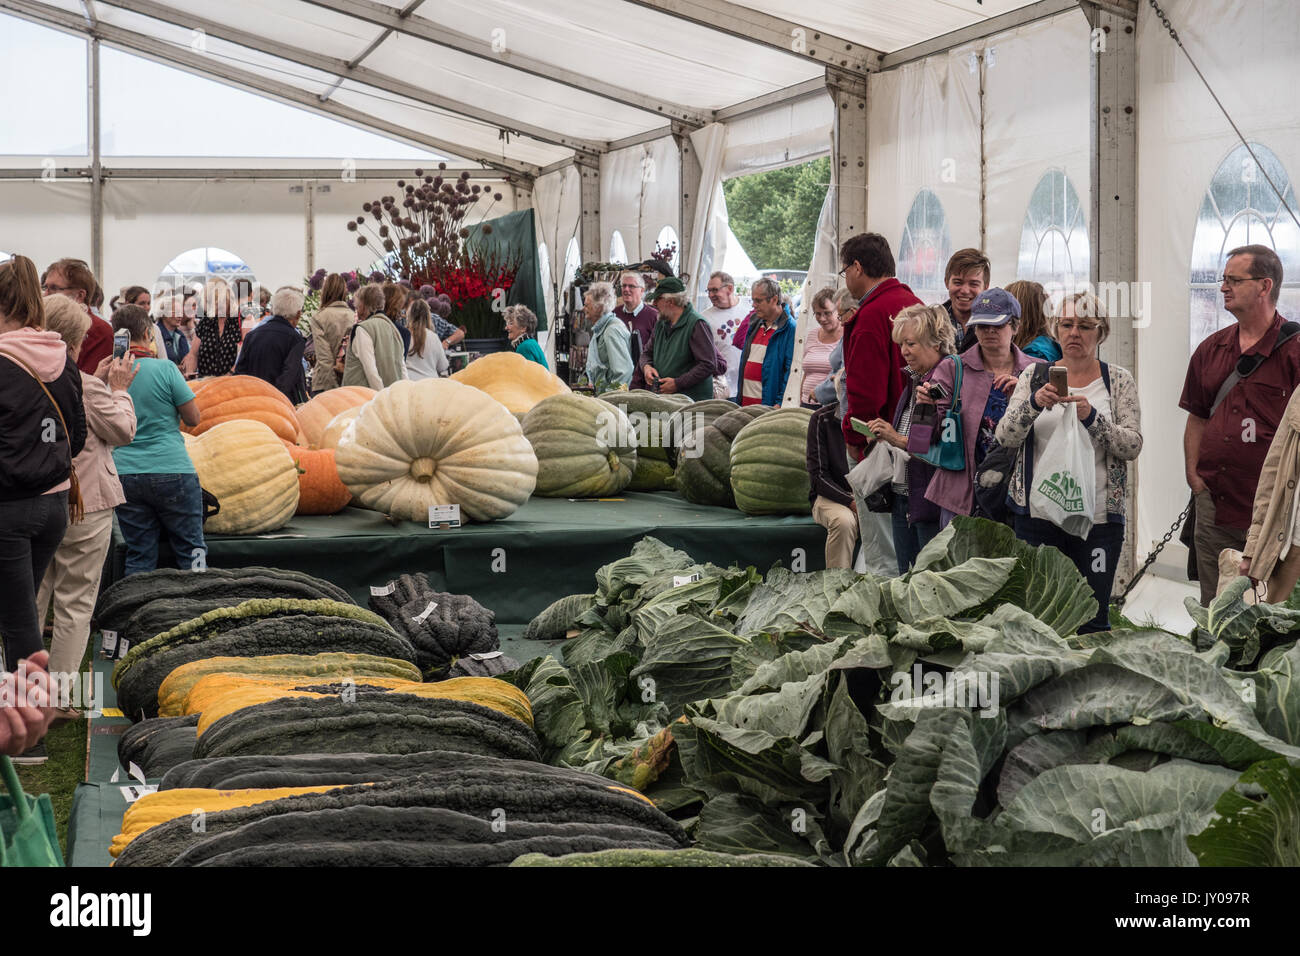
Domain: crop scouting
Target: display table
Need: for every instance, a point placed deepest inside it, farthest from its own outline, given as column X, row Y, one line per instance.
column 547, row 549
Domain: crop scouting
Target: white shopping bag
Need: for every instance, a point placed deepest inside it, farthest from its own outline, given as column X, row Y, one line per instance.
column 1065, row 482
column 875, row 531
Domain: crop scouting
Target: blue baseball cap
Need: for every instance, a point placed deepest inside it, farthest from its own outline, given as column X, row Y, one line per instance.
column 994, row 307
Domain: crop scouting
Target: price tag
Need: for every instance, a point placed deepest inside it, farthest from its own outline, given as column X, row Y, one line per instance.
column 419, row 618
column 486, row 657
column 110, row 643
column 680, row 579
column 388, row 588
column 444, row 516
column 134, row 792
column 135, row 772
column 122, row 647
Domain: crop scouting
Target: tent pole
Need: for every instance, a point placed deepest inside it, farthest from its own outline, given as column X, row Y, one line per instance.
column 691, row 175
column 309, row 223
column 589, row 240
column 96, row 167
column 848, row 152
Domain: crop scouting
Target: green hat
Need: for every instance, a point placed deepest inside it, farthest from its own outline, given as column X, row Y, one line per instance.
column 666, row 285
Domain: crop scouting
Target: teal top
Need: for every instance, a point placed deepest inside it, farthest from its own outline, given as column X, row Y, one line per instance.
column 1045, row 348
column 530, row 350
column 609, row 356
column 157, row 391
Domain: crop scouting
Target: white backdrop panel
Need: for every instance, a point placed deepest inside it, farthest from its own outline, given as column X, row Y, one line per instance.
column 1247, row 53
column 45, row 221
column 640, row 190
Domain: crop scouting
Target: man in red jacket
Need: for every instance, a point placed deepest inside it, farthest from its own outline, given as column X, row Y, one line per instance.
column 873, row 365
column 73, row 278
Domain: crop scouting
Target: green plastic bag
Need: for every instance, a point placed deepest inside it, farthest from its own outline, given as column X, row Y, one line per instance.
column 27, row 834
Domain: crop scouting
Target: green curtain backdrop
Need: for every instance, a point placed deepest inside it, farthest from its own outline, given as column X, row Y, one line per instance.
column 518, row 231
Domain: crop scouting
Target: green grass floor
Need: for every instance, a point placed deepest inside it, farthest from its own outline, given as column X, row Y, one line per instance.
column 66, row 768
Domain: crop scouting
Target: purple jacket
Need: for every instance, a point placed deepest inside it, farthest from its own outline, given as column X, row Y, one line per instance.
column 955, row 490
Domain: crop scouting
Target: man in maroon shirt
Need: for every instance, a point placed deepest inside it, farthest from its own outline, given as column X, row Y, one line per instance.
column 873, row 365
column 636, row 315
column 73, row 278
column 1224, row 447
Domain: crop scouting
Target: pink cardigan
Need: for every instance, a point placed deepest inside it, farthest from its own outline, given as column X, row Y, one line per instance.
column 955, row 490
column 110, row 422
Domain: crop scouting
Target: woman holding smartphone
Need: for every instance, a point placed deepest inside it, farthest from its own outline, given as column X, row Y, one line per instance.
column 1105, row 399
column 925, row 335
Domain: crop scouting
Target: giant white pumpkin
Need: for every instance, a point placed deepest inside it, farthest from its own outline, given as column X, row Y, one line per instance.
column 436, row 442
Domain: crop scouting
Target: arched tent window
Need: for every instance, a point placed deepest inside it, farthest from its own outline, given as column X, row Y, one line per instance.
column 1054, row 246
column 668, row 237
column 201, row 264
column 1241, row 208
column 925, row 248
column 617, row 249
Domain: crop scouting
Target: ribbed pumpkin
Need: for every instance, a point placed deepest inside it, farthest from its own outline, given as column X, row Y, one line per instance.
column 437, row 442
column 319, row 490
column 585, row 447
column 655, row 421
column 704, row 467
column 313, row 416
column 329, row 437
column 512, row 380
column 252, row 474
column 769, row 464
column 244, row 398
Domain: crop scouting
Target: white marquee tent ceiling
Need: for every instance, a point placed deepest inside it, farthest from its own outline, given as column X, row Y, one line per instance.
column 517, row 84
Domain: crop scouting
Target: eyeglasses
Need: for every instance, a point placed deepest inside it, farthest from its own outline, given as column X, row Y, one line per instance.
column 1235, row 281
column 717, row 291
column 848, row 267
column 49, row 289
column 1065, row 325
column 823, row 313
column 761, row 298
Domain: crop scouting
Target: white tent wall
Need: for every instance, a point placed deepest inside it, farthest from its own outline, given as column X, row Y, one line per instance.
column 781, row 136
column 45, row 220
column 640, row 189
column 1249, row 60
column 147, row 223
column 1036, row 114
column 923, row 133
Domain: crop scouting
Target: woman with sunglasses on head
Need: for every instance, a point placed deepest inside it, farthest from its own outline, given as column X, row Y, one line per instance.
column 1105, row 399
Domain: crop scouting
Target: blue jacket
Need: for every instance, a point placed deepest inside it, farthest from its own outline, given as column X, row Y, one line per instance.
column 776, row 361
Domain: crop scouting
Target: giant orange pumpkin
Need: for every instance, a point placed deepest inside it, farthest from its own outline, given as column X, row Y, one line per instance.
column 316, row 414
column 319, row 490
column 244, row 397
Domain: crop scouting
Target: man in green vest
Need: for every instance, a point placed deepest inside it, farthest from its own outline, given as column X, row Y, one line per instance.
column 375, row 356
column 680, row 356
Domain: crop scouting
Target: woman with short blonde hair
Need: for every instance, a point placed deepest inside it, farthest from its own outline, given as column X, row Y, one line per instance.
column 927, row 324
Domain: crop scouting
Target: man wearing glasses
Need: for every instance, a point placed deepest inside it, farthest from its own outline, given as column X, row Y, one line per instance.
column 764, row 363
column 639, row 318
column 873, row 365
column 1237, row 387
column 725, row 313
column 73, row 278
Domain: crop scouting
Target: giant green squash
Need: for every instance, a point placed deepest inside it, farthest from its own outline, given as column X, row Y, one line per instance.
column 769, row 464
column 704, row 466
column 655, row 420
column 585, row 447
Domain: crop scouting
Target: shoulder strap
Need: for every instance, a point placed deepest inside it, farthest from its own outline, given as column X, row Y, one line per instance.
column 75, row 505
column 956, row 385
column 1288, row 331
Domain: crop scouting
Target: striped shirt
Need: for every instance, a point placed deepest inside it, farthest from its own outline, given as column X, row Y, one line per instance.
column 752, row 391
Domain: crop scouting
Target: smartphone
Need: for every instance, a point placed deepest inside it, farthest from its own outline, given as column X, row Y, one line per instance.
column 121, row 342
column 1058, row 376
column 859, row 426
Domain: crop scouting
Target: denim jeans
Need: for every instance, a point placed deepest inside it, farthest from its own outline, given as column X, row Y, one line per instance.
column 161, row 503
column 909, row 539
column 30, row 532
column 1097, row 558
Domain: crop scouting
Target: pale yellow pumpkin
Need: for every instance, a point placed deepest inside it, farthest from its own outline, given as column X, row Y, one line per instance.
column 512, row 380
column 329, row 437
column 436, row 442
column 315, row 415
column 252, row 474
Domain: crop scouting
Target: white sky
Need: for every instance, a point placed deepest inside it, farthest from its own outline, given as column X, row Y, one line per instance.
column 151, row 110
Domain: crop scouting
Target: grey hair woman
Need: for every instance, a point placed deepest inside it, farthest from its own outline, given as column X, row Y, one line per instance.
column 609, row 355
column 521, row 329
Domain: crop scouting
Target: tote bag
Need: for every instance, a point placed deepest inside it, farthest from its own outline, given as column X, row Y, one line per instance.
column 27, row 834
column 1065, row 482
column 949, row 452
